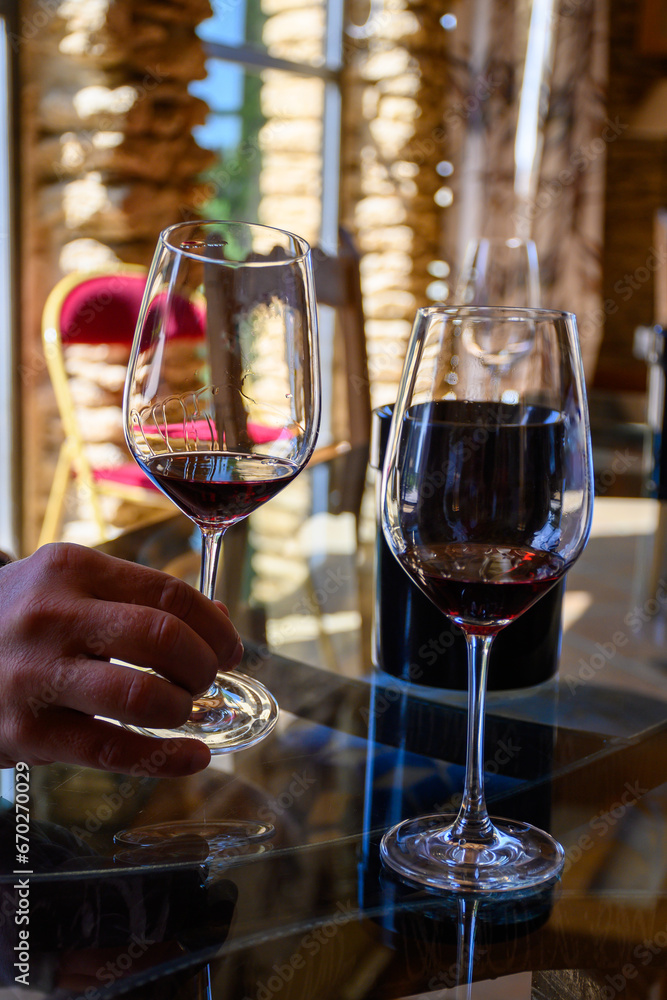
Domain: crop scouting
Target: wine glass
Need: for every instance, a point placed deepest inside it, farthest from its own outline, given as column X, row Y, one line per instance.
column 499, row 272
column 222, row 407
column 487, row 503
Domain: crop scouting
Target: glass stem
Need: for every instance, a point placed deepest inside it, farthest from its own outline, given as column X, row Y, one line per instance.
column 465, row 946
column 472, row 823
column 210, row 557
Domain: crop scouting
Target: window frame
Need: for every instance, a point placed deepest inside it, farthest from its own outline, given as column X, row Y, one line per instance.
column 254, row 60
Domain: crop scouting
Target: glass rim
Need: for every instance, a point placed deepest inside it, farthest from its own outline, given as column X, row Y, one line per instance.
column 302, row 244
column 502, row 312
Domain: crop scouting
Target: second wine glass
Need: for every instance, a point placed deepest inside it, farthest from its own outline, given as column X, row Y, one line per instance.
column 222, row 406
column 499, row 272
column 487, row 503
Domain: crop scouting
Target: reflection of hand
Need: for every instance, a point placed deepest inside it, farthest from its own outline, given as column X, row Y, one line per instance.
column 66, row 610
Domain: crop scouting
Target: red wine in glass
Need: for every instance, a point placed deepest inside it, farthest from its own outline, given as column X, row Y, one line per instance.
column 481, row 587
column 471, row 541
column 219, row 488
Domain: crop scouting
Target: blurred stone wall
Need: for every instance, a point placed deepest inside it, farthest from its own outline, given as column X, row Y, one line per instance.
column 527, row 137
column 393, row 138
column 107, row 158
column 633, row 259
column 431, row 107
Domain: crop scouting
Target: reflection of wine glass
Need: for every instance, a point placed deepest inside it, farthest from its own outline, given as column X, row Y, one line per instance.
column 222, row 405
column 216, row 842
column 499, row 272
column 487, row 503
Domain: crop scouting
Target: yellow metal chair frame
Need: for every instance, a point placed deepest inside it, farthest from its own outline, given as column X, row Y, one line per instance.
column 72, row 458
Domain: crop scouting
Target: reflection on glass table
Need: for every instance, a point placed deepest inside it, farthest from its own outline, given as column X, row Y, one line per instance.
column 357, row 750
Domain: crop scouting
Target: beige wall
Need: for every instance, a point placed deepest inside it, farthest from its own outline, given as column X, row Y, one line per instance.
column 107, row 161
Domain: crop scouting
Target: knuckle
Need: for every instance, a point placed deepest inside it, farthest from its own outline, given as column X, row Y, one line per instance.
column 166, row 631
column 33, row 613
column 135, row 694
column 40, row 614
column 14, row 731
column 204, row 673
column 176, row 597
column 110, row 756
column 20, row 738
column 61, row 557
column 54, row 682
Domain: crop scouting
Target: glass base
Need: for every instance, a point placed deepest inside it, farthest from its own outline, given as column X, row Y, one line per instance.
column 239, row 713
column 424, row 852
column 202, row 841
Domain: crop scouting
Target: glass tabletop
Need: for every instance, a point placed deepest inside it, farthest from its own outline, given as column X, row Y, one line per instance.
column 308, row 910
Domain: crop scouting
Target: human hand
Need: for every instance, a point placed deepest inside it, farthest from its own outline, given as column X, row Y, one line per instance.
column 66, row 610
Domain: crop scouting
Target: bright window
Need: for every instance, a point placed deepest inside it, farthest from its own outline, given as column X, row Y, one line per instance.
column 273, row 89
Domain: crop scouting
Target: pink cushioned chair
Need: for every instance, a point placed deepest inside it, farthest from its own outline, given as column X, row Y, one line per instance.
column 95, row 308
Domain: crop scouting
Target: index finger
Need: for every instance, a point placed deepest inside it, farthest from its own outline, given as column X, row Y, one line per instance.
column 129, row 583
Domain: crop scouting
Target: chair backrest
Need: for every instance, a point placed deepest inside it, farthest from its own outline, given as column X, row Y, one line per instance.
column 103, row 307
column 91, row 308
column 338, row 285
column 95, row 307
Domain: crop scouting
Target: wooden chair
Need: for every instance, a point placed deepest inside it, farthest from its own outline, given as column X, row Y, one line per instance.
column 92, row 308
column 338, row 285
